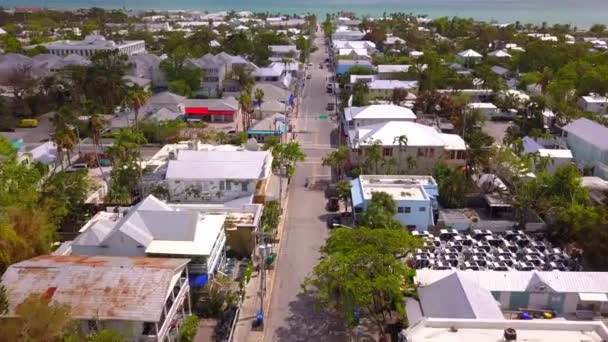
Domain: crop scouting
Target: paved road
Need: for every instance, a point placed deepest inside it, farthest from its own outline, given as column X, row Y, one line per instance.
column 291, row 316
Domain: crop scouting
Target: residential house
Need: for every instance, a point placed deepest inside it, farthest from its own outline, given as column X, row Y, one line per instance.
column 571, row 295
column 143, row 299
column 173, row 102
column 469, row 57
column 270, row 125
column 392, row 41
column 344, row 65
column 354, row 54
column 414, row 196
column 488, row 109
column 212, row 110
column 39, row 66
column 370, row 47
column 374, row 114
column 589, row 145
column 383, row 89
column 593, row 103
column 218, row 174
column 92, row 44
column 147, row 65
column 347, row 33
column 425, row 144
column 139, row 82
column 390, row 71
column 280, row 52
column 153, row 228
column 217, row 70
column 499, row 54
column 556, row 157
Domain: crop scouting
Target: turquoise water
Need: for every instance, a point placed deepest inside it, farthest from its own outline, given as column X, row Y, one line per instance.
column 576, row 12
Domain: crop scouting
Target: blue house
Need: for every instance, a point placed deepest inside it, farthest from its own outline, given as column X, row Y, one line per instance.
column 344, row 65
column 415, row 197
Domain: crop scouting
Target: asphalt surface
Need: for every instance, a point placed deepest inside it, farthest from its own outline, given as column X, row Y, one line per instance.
column 291, row 316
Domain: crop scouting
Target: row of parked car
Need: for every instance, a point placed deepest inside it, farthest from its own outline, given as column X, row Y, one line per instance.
column 485, row 250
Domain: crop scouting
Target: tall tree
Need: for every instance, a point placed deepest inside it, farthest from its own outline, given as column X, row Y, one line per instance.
column 259, row 98
column 64, row 136
column 338, row 159
column 380, row 212
column 360, row 274
column 402, row 142
column 37, row 320
column 137, row 98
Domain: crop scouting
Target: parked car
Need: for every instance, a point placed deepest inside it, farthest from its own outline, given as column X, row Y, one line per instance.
column 309, row 76
column 28, row 123
column 333, row 221
column 330, row 106
column 77, row 167
column 333, row 204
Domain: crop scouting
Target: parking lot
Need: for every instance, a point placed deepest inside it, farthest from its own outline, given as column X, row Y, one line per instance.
column 484, row 250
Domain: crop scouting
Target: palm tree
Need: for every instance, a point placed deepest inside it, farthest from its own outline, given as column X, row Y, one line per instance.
column 63, row 134
column 96, row 125
column 259, row 97
column 136, row 99
column 337, row 159
column 401, row 141
column 411, row 163
column 246, row 104
column 373, row 155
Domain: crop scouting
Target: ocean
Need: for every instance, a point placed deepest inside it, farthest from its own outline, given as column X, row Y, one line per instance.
column 581, row 13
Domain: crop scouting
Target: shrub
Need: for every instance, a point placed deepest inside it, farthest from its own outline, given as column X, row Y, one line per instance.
column 189, row 328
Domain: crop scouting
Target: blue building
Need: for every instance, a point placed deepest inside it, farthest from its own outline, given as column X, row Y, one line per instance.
column 344, row 65
column 415, row 197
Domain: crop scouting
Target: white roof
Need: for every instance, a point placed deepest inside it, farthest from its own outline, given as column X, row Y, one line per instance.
column 595, row 99
column 385, row 68
column 457, row 297
column 353, row 44
column 499, row 54
column 416, row 53
column 590, row 131
column 387, row 112
column 348, row 52
column 207, row 230
column 482, row 105
column 417, row 134
column 593, row 297
column 469, row 54
column 555, row 153
column 392, row 84
column 453, row 141
column 191, row 165
column 521, row 281
column 484, row 330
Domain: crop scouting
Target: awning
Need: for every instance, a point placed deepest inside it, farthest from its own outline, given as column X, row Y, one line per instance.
column 207, row 111
column 592, row 297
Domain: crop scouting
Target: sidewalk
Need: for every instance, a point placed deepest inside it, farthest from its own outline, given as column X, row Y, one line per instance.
column 243, row 331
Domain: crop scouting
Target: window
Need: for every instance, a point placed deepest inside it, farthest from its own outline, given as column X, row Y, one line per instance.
column 228, row 185
column 244, row 186
column 358, row 210
column 404, row 210
column 387, row 152
column 222, row 186
column 431, row 152
column 420, row 152
column 422, row 209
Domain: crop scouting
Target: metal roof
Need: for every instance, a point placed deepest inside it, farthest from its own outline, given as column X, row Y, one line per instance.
column 520, row 281
column 589, row 131
column 96, row 287
column 455, row 296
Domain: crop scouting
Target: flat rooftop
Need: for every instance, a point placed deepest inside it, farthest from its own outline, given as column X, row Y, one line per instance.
column 387, row 180
column 402, row 192
column 453, row 330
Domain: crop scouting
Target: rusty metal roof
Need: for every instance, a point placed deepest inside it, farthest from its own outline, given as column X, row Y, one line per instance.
column 96, row 287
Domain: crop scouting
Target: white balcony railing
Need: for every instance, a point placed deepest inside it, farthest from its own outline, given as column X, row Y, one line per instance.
column 177, row 302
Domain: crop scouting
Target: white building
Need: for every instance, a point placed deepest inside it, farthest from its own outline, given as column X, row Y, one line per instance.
column 484, row 330
column 347, row 33
column 143, row 299
column 589, row 145
column 374, row 114
column 147, row 66
column 414, row 196
column 155, row 229
column 354, row 54
column 593, row 103
column 488, row 109
column 93, row 44
column 571, row 295
column 425, row 145
column 384, row 88
column 357, row 44
column 557, row 157
column 278, row 52
column 217, row 175
column 216, row 70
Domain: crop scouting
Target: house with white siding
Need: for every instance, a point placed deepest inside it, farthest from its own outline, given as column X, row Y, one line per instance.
column 588, row 142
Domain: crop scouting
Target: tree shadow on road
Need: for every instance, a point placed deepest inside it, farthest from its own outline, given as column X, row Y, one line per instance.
column 307, row 324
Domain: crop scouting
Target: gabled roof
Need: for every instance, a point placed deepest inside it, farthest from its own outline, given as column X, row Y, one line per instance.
column 385, row 68
column 469, row 54
column 499, row 54
column 457, row 297
column 589, row 131
column 227, row 103
column 417, row 135
column 96, row 287
column 198, row 165
column 392, row 84
column 166, row 97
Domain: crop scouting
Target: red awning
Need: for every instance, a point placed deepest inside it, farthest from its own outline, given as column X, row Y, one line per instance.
column 207, row 111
